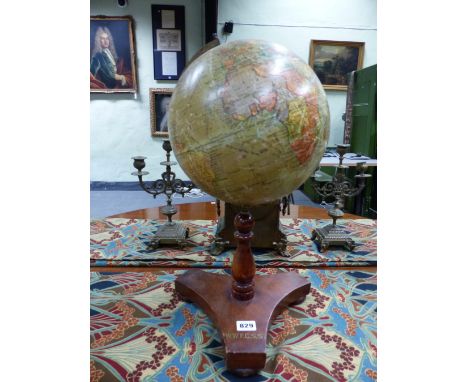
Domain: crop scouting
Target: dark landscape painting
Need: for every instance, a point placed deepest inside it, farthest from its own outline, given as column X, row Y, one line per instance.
column 333, row 60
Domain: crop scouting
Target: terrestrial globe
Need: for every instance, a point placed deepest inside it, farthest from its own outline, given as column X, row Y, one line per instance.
column 249, row 122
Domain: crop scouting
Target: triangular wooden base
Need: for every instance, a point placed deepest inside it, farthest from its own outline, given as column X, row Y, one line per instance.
column 245, row 350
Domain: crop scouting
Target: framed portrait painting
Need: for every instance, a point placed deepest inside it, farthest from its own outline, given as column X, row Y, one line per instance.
column 333, row 60
column 112, row 55
column 159, row 108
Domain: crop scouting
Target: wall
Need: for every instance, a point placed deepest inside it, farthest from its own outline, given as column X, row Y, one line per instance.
column 120, row 125
column 294, row 23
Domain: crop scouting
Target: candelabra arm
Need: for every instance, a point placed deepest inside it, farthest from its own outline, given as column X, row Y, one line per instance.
column 326, row 190
column 158, row 187
column 145, row 187
column 168, row 175
column 180, row 188
column 355, row 191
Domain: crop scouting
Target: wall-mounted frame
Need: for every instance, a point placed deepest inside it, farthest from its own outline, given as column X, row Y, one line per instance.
column 332, row 61
column 168, row 41
column 112, row 55
column 159, row 107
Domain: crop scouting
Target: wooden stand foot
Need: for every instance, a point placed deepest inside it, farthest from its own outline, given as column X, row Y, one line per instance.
column 213, row 293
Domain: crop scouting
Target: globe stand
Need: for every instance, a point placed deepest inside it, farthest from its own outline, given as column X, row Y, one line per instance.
column 268, row 232
column 242, row 306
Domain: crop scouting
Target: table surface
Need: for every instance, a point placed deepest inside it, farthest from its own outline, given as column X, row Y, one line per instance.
column 334, row 161
column 207, row 211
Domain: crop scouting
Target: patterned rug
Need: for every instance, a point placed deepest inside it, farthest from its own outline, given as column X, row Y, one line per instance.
column 141, row 331
column 124, row 242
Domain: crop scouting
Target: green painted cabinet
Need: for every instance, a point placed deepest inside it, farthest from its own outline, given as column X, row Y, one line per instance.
column 363, row 137
column 363, row 140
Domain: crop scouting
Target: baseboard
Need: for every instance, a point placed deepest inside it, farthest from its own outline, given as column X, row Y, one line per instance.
column 116, row 186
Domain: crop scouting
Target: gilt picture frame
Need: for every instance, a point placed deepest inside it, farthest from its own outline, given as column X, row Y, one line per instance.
column 333, row 60
column 112, row 55
column 159, row 108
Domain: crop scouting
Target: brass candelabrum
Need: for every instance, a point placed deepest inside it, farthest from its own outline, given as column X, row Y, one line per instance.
column 170, row 233
column 340, row 187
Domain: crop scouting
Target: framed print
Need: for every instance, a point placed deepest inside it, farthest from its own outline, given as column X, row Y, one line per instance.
column 168, row 39
column 159, row 107
column 168, row 22
column 112, row 55
column 332, row 61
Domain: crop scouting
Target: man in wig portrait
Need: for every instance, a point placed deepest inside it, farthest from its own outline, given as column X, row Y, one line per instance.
column 107, row 68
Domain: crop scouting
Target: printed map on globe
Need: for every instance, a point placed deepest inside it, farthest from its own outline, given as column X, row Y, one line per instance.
column 249, row 122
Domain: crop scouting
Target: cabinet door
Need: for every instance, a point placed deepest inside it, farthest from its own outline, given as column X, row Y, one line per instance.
column 363, row 138
column 364, row 131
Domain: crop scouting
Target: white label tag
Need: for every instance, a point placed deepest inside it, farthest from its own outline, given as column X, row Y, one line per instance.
column 246, row 326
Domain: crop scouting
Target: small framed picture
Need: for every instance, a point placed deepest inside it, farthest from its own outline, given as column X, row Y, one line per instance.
column 112, row 55
column 333, row 60
column 159, row 108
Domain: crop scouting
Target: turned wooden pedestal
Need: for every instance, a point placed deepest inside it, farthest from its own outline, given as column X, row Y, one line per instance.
column 244, row 297
column 268, row 233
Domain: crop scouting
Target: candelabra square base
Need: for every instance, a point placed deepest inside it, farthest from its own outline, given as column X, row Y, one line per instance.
column 170, row 234
column 332, row 235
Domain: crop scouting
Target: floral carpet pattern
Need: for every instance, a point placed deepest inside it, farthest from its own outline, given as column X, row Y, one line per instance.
column 124, row 243
column 142, row 331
